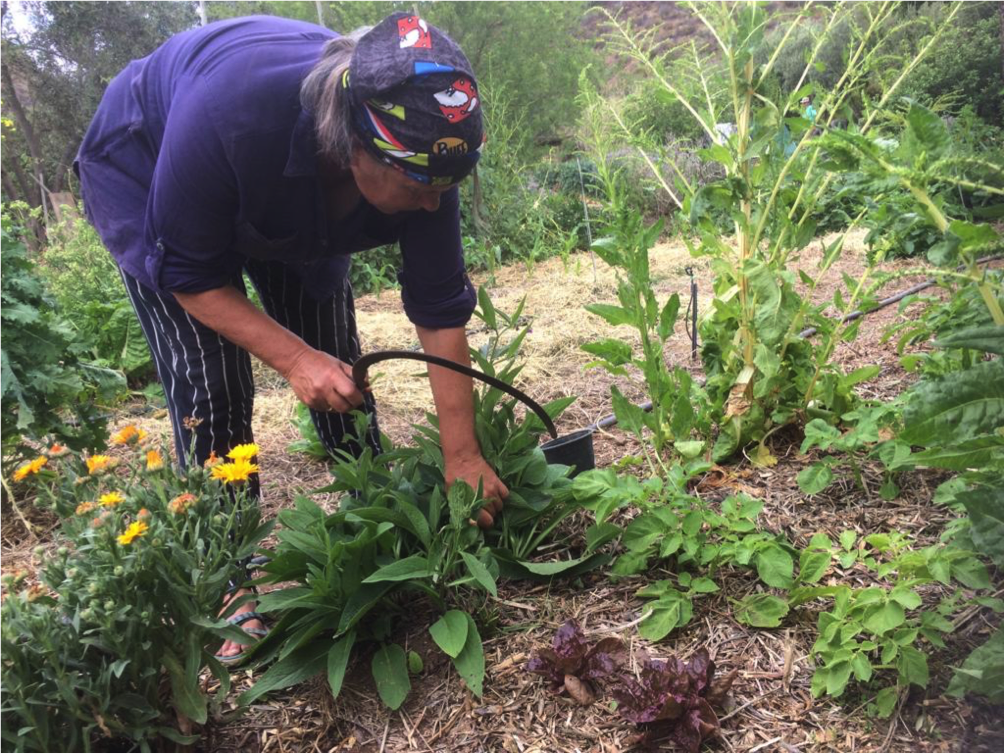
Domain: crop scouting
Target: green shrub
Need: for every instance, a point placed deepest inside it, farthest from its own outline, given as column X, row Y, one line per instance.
column 46, row 377
column 111, row 643
column 86, row 283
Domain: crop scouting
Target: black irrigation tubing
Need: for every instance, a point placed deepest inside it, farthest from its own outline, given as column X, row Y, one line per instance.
column 610, row 420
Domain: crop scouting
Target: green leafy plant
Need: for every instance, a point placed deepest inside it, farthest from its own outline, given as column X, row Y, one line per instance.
column 401, row 533
column 761, row 375
column 49, row 386
column 672, row 391
column 112, row 641
column 887, row 627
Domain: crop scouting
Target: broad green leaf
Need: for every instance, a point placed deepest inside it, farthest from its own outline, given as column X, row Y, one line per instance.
column 913, row 666
column 390, row 672
column 987, row 338
column 761, row 610
column 956, row 407
column 861, row 667
column 617, row 352
column 613, row 315
column 295, row 668
column 630, row 417
column 985, row 506
column 982, row 671
column 884, row 617
column 886, row 701
column 338, row 661
column 704, row 585
column 774, row 566
column 838, row 675
column 815, row 478
column 969, row 454
column 689, row 448
column 813, row 564
column 670, row 611
column 450, row 632
column 600, row 534
column 480, row 573
column 847, row 538
column 470, row 663
column 412, row 567
column 668, row 316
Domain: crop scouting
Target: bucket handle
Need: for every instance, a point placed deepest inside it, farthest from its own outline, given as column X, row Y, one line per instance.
column 363, row 364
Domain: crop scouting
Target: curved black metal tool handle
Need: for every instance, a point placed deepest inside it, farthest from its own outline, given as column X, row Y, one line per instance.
column 363, row 364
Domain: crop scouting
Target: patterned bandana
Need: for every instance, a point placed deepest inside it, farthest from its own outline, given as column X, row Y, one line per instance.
column 414, row 100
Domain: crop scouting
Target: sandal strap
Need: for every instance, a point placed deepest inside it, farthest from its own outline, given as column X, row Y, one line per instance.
column 241, row 618
column 259, row 632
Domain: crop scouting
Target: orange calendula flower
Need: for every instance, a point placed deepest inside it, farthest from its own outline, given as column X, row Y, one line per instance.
column 155, row 461
column 234, row 473
column 134, row 530
column 85, row 507
column 244, row 452
column 32, row 467
column 128, row 434
column 57, row 450
column 99, row 464
column 182, row 503
column 213, row 460
column 111, row 499
column 144, row 513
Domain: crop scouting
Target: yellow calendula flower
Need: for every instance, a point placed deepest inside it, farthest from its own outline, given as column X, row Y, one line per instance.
column 155, row 461
column 99, row 464
column 128, row 434
column 234, row 473
column 134, row 530
column 182, row 503
column 213, row 460
column 85, row 507
column 111, row 499
column 32, row 467
column 244, row 452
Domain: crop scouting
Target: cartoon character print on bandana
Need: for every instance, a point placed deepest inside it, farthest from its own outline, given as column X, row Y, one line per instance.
column 458, row 100
column 413, row 32
column 386, row 142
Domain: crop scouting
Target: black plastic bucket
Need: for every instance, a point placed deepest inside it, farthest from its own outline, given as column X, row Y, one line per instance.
column 574, row 449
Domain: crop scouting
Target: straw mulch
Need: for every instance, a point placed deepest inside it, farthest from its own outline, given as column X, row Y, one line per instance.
column 771, row 707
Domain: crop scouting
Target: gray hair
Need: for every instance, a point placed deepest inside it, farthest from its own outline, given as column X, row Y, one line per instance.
column 321, row 96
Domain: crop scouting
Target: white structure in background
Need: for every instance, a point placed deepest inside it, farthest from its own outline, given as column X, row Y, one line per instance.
column 723, row 131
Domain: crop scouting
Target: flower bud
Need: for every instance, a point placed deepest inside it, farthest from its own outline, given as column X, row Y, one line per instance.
column 157, row 542
column 119, row 570
column 145, row 615
column 109, row 605
column 87, row 614
column 93, row 587
column 63, row 552
column 71, row 573
column 39, row 551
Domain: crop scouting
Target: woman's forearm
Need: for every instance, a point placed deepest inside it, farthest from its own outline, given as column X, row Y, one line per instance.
column 452, row 392
column 231, row 314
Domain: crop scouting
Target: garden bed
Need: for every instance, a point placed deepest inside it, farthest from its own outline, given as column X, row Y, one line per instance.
column 771, row 709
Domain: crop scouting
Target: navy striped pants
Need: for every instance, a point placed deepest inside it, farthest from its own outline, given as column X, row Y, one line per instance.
column 207, row 380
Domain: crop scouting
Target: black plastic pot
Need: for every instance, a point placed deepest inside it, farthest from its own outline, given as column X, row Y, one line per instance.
column 574, row 449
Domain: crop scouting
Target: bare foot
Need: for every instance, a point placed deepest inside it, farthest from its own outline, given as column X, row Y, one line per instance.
column 232, row 648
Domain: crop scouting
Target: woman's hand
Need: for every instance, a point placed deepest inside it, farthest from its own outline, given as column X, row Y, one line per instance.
column 323, row 382
column 472, row 469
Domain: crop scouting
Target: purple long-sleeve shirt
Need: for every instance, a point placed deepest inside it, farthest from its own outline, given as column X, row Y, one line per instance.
column 200, row 156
